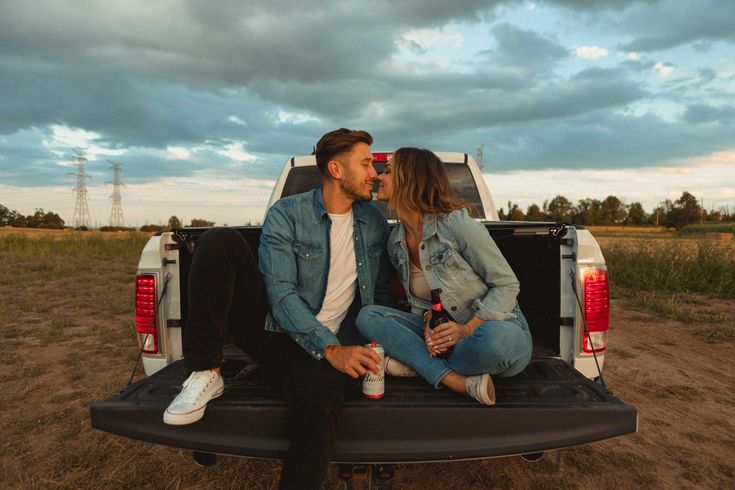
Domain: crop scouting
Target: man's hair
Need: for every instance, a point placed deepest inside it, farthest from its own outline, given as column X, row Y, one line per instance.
column 336, row 143
column 420, row 184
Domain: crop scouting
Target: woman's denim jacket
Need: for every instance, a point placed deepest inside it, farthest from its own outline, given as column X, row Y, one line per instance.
column 458, row 255
column 294, row 259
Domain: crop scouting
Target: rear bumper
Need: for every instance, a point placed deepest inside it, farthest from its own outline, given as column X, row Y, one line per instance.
column 549, row 406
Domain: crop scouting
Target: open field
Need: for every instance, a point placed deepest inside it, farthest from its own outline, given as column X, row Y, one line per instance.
column 66, row 330
column 689, row 231
column 632, row 231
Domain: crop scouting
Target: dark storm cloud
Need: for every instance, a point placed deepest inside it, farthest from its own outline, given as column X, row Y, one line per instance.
column 596, row 4
column 590, row 90
column 701, row 113
column 672, row 23
column 25, row 161
column 519, row 47
column 601, row 140
column 147, row 75
column 155, row 75
column 227, row 44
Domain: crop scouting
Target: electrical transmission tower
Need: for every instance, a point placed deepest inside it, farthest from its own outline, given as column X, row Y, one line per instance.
column 479, row 157
column 116, row 215
column 81, row 210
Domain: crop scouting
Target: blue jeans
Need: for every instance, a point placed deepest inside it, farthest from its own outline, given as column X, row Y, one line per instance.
column 501, row 348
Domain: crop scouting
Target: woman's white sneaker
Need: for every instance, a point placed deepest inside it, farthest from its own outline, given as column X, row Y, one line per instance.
column 394, row 367
column 198, row 389
column 481, row 388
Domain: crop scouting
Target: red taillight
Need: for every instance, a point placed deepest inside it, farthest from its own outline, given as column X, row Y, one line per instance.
column 596, row 310
column 145, row 313
column 381, row 157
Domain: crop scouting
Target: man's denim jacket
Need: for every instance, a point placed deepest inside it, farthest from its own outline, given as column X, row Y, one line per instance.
column 458, row 256
column 294, row 259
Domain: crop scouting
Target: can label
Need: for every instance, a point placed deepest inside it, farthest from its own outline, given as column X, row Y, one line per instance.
column 373, row 385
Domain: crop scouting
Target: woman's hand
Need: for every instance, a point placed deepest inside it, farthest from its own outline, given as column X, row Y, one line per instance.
column 433, row 349
column 446, row 335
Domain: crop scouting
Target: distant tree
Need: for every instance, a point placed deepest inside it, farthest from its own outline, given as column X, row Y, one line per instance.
column 514, row 212
column 713, row 215
column 587, row 211
column 43, row 219
column 612, row 211
column 636, row 215
column 116, row 228
column 559, row 209
column 52, row 220
column 684, row 211
column 174, row 222
column 10, row 217
column 4, row 216
column 154, row 228
column 501, row 215
column 726, row 214
column 196, row 222
column 17, row 219
column 658, row 215
column 533, row 213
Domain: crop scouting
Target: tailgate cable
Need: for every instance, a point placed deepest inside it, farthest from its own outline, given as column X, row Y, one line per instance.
column 148, row 330
column 587, row 329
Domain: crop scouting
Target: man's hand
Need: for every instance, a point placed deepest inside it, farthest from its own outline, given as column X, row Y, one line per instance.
column 354, row 360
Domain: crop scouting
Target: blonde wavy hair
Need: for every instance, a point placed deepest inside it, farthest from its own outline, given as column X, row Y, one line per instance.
column 420, row 184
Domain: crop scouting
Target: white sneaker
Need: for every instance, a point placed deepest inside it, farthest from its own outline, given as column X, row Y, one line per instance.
column 197, row 390
column 394, row 367
column 481, row 388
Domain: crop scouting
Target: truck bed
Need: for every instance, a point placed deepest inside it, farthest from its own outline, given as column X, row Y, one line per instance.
column 548, row 406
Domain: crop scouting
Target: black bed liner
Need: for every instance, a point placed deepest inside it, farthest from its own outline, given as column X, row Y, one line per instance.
column 550, row 405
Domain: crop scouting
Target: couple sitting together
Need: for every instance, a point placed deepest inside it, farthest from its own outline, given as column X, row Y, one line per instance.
column 321, row 287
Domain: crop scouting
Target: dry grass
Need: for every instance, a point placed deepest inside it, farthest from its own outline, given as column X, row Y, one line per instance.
column 672, row 265
column 645, row 232
column 66, row 234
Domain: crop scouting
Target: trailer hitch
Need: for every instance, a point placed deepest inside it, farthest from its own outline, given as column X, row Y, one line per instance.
column 365, row 476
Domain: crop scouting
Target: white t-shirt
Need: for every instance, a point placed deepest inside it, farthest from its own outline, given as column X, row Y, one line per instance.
column 418, row 285
column 342, row 279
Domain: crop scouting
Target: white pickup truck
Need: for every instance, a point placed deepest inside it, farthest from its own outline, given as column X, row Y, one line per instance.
column 557, row 401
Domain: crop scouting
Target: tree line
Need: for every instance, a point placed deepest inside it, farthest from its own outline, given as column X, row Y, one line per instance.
column 51, row 220
column 612, row 211
column 608, row 212
column 39, row 219
column 175, row 222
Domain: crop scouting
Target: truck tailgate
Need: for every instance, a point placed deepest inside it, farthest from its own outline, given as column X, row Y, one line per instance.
column 548, row 406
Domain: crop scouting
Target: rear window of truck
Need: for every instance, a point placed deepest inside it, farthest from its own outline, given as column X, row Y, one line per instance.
column 302, row 179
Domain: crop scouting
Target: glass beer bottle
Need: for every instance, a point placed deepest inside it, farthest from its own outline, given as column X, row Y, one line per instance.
column 438, row 316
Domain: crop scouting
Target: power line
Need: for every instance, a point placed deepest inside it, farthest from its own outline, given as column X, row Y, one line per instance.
column 81, row 209
column 116, row 215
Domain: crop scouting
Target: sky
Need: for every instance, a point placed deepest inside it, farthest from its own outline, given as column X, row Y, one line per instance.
column 202, row 103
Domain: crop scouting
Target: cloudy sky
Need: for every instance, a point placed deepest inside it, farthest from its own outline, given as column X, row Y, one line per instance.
column 203, row 102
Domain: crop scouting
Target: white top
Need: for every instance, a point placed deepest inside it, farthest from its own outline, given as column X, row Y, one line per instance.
column 418, row 285
column 342, row 279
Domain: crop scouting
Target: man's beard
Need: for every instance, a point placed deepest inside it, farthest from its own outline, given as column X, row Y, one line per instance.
column 353, row 190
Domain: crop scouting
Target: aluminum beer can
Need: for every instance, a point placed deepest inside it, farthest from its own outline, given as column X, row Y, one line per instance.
column 373, row 385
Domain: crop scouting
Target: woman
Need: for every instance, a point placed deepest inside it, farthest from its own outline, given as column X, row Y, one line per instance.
column 436, row 245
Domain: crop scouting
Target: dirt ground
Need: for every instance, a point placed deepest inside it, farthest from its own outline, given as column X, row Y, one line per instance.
column 66, row 333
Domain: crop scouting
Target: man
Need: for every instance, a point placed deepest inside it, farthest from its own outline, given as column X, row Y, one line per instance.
column 318, row 250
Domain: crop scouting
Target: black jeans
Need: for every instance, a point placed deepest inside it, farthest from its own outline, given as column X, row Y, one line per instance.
column 227, row 301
